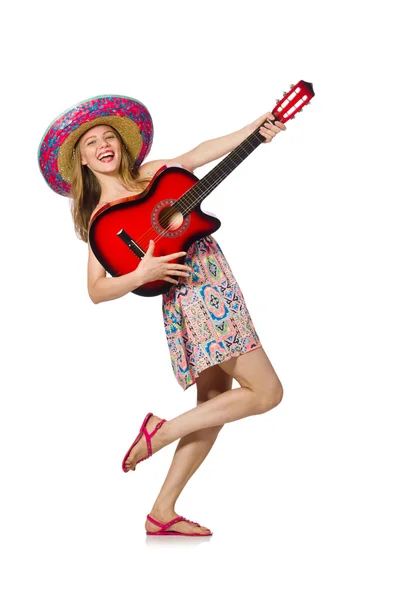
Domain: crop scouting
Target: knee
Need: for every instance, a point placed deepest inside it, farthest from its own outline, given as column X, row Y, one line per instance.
column 270, row 397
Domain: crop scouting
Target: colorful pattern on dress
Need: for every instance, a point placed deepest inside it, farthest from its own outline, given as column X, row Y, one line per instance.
column 205, row 317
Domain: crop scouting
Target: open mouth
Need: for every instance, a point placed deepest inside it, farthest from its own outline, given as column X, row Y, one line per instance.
column 106, row 158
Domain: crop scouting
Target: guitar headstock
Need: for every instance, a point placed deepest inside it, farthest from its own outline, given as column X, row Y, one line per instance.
column 293, row 101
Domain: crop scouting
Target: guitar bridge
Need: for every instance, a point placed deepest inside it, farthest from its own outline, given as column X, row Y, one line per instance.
column 133, row 246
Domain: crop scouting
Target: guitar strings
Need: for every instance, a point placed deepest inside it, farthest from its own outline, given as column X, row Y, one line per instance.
column 146, row 237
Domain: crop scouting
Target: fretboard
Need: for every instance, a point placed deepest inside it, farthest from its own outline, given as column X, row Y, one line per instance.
column 209, row 182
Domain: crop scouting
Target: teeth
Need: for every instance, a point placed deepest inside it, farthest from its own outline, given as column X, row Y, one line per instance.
column 109, row 155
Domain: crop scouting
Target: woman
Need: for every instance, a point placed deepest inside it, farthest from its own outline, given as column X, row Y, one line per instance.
column 94, row 153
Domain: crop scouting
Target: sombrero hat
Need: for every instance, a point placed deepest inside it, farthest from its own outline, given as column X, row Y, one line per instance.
column 128, row 116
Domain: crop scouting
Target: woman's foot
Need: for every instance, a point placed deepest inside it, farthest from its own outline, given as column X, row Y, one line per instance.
column 140, row 449
column 181, row 526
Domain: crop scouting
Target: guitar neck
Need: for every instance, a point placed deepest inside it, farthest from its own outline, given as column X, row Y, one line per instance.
column 285, row 109
column 209, row 182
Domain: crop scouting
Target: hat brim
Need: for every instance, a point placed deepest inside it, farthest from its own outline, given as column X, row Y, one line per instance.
column 128, row 116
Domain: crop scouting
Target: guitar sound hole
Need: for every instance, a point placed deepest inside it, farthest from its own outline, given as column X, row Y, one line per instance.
column 170, row 218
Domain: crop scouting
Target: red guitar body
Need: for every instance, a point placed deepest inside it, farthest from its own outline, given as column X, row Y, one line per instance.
column 145, row 217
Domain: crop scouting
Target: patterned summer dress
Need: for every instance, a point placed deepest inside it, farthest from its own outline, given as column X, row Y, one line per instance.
column 205, row 317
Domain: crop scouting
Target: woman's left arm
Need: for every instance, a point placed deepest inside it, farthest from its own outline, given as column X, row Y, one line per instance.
column 210, row 150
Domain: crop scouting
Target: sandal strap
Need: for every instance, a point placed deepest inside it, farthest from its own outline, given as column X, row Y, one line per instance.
column 148, row 435
column 159, row 424
column 165, row 526
column 145, row 420
column 192, row 522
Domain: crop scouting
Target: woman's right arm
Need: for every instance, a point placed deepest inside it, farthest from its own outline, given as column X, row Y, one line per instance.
column 151, row 268
column 102, row 288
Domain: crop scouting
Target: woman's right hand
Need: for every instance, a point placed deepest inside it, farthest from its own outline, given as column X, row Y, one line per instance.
column 153, row 268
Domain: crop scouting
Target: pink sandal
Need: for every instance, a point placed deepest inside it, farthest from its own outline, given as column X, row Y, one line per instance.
column 165, row 526
column 148, row 436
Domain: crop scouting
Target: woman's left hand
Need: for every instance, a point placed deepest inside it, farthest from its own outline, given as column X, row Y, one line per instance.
column 269, row 131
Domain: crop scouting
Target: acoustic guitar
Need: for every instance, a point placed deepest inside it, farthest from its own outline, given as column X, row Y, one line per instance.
column 168, row 211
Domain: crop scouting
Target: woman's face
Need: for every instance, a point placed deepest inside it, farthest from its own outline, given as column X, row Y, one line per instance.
column 101, row 150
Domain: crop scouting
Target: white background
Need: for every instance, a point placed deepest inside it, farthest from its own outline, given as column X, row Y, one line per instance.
column 301, row 500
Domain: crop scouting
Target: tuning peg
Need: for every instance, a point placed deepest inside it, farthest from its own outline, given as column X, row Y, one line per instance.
column 308, row 103
column 284, row 94
column 291, row 86
column 277, row 101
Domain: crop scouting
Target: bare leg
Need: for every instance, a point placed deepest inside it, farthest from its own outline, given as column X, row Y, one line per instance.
column 189, row 455
column 260, row 391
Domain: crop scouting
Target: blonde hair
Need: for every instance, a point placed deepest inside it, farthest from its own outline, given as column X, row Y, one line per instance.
column 86, row 191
